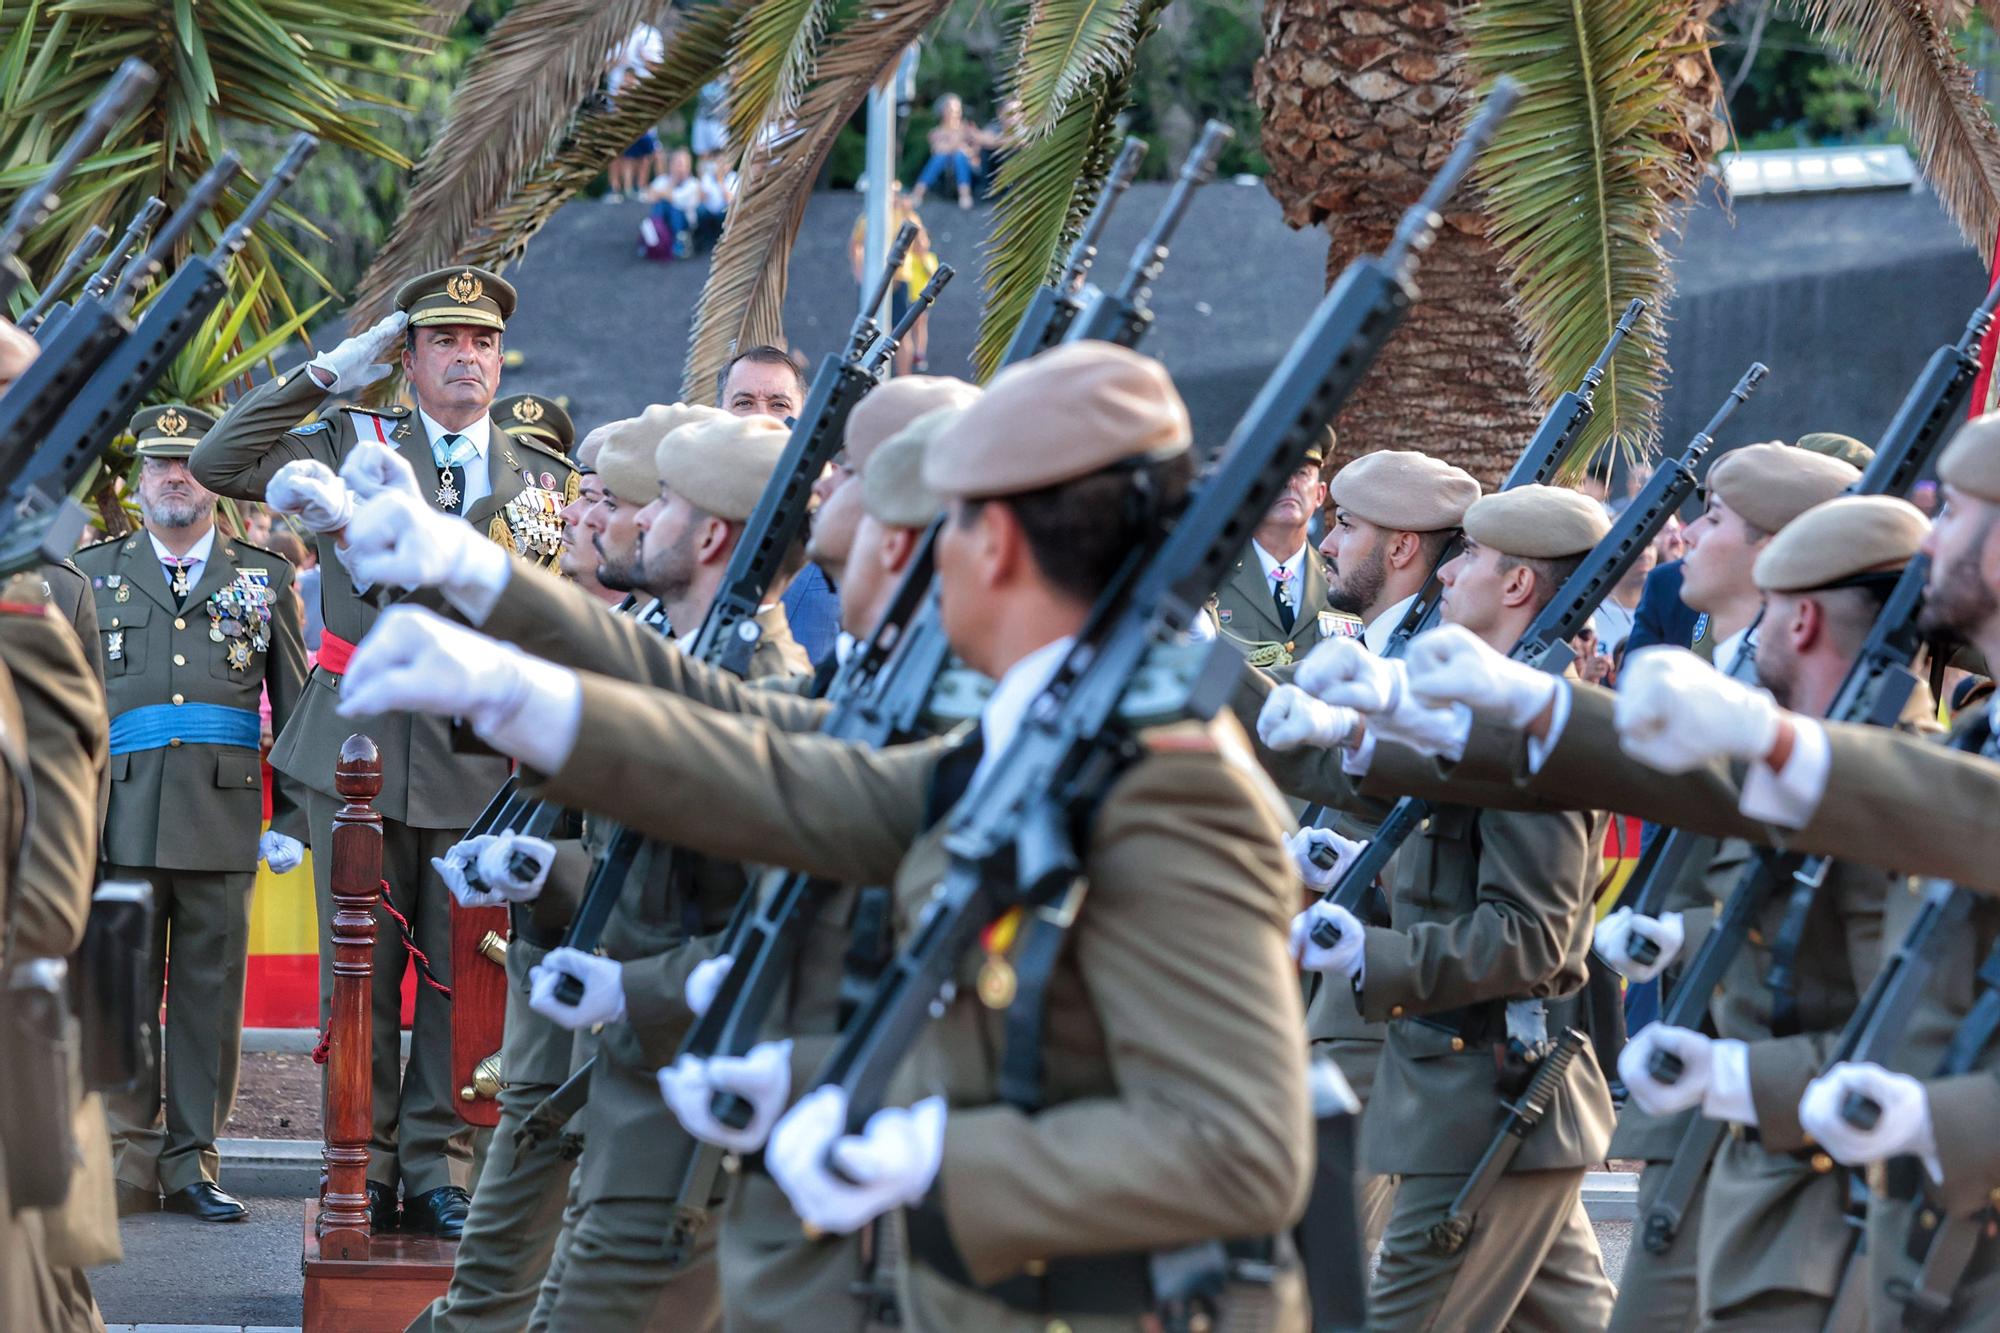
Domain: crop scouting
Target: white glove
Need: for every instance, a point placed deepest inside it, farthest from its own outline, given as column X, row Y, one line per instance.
column 762, row 1078
column 1344, row 672
column 704, row 980
column 307, row 489
column 1615, row 933
column 397, row 539
column 360, row 361
column 372, row 468
column 1290, row 718
column 603, row 989
column 1657, row 1098
column 279, row 852
column 1343, row 956
column 1302, row 843
column 1904, row 1127
column 451, row 868
column 890, row 1165
column 1451, row 664
column 1675, row 712
column 1429, row 731
column 496, row 868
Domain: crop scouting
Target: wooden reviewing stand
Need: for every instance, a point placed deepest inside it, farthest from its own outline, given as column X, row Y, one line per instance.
column 357, row 1282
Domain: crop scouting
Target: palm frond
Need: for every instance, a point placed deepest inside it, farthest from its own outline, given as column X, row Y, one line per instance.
column 1899, row 46
column 743, row 300
column 444, row 16
column 771, row 62
column 697, row 48
column 1581, row 182
column 521, row 90
column 1068, row 46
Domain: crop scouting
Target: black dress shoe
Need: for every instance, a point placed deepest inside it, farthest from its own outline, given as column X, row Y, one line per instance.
column 207, row 1202
column 137, row 1199
column 438, row 1213
column 381, row 1207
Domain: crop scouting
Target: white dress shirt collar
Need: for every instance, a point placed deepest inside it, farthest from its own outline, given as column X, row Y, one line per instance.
column 1016, row 689
column 479, row 432
column 1376, row 636
column 196, row 557
column 1271, row 563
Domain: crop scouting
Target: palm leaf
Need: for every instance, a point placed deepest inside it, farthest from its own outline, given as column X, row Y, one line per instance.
column 771, row 61
column 1580, row 183
column 519, row 93
column 696, row 51
column 1901, row 48
column 743, row 300
column 1068, row 46
column 1046, row 188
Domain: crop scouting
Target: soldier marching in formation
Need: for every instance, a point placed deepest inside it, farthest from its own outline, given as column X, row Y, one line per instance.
column 901, row 989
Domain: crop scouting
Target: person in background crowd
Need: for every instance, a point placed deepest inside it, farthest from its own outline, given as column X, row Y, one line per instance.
column 631, row 59
column 955, row 147
column 1614, row 617
column 255, row 520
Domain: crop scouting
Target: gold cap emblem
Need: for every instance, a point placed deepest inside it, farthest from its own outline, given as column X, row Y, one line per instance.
column 528, row 410
column 171, row 422
column 464, row 288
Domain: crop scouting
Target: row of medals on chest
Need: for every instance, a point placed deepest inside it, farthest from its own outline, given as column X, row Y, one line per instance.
column 239, row 616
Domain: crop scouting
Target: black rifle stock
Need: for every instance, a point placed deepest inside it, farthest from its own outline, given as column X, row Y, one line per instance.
column 1056, row 305
column 1122, row 314
column 1008, row 838
column 127, row 86
column 80, row 254
column 36, row 497
column 1545, row 645
column 728, row 633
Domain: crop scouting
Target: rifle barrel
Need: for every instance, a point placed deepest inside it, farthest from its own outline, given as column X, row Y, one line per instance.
column 142, row 222
column 1196, row 172
column 80, row 254
column 865, row 328
column 1420, row 220
column 1123, row 169
column 303, row 146
column 200, row 199
column 926, row 298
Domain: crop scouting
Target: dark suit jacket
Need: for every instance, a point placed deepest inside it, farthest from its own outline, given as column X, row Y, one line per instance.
column 1662, row 616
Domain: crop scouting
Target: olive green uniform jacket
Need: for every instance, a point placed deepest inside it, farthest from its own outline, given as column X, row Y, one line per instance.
column 1246, row 613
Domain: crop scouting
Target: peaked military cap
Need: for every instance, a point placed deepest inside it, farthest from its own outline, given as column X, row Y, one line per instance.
column 1537, row 522
column 461, row 295
column 169, row 432
column 720, row 463
column 1772, row 484
column 886, row 410
column 1832, row 543
column 536, row 417
column 892, row 485
column 1404, row 490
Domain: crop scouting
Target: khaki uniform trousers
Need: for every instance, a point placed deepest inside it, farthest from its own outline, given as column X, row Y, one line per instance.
column 517, row 1205
column 201, row 918
column 416, row 1136
column 1659, row 1293
column 775, row 1279
column 1532, row 1262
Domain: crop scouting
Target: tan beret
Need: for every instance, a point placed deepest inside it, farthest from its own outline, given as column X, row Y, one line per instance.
column 1848, row 535
column 1075, row 409
column 1405, row 490
column 627, row 458
column 895, row 405
column 1835, row 445
column 892, row 485
column 1971, row 462
column 1537, row 522
column 720, row 463
column 1772, row 484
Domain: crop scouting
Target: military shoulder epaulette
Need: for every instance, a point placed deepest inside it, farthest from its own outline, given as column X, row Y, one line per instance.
column 312, row 426
column 24, row 595
column 545, row 450
column 108, row 541
column 260, row 550
column 394, row 411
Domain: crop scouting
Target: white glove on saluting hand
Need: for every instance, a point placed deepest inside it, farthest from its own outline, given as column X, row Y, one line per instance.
column 279, row 852
column 1676, row 713
column 307, row 489
column 1304, row 842
column 603, row 989
column 1617, row 931
column 1344, row 956
column 1452, row 665
column 361, row 360
column 1291, row 718
column 1904, row 1127
column 891, row 1164
column 762, row 1078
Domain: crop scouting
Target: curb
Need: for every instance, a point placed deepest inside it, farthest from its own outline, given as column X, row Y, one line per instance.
column 290, row 1041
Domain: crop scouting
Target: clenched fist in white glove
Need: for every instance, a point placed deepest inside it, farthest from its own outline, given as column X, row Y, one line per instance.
column 1290, row 718
column 371, row 468
column 397, row 539
column 1618, row 930
column 361, row 360
column 1903, row 1128
column 1330, row 846
column 1452, row 665
column 891, row 1164
column 1656, row 1097
column 704, row 980
column 1341, row 956
column 279, row 852
column 493, row 869
column 308, row 490
column 1344, row 672
column 763, row 1078
column 1676, row 713
column 603, row 989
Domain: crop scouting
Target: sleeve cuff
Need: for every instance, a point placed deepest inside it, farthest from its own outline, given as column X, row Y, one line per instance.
column 1728, row 1096
column 539, row 724
column 1787, row 798
column 1539, row 750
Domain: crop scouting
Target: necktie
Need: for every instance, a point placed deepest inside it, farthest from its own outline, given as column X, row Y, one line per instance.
column 451, row 453
column 177, row 574
column 1281, row 593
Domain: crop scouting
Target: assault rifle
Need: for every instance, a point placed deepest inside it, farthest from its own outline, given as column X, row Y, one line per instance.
column 1008, row 838
column 80, row 254
column 1122, row 314
column 728, row 634
column 36, row 497
column 1545, row 645
column 101, row 282
column 127, row 86
column 1057, row 304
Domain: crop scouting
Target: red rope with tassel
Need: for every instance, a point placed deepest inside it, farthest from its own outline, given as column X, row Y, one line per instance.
column 417, row 956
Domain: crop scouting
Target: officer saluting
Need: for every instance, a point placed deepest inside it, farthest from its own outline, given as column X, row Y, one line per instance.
column 195, row 625
column 450, row 324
